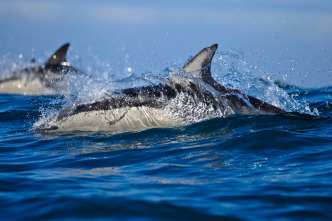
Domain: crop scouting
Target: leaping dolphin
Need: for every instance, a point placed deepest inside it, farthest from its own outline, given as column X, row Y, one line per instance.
column 188, row 96
column 43, row 79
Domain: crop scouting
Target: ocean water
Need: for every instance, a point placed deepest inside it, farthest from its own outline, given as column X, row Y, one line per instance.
column 231, row 168
column 227, row 168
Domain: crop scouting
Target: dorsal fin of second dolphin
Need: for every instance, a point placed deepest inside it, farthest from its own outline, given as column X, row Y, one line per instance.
column 59, row 57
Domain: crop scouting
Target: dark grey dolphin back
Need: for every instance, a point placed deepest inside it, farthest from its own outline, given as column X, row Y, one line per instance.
column 59, row 57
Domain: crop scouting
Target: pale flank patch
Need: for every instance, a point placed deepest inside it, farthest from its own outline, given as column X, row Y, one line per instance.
column 118, row 120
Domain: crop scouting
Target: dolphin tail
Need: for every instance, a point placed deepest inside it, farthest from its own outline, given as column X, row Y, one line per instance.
column 59, row 57
column 263, row 107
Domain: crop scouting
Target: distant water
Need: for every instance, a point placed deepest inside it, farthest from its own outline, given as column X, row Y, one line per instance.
column 236, row 168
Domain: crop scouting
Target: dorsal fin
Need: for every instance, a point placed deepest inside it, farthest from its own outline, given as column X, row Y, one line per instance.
column 200, row 65
column 59, row 57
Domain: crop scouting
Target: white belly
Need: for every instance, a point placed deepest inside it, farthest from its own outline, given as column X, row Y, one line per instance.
column 25, row 87
column 117, row 121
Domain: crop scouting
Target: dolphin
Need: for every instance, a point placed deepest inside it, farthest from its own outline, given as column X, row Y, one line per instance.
column 188, row 96
column 43, row 79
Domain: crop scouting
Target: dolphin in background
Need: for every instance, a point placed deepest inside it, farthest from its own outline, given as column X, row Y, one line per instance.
column 188, row 96
column 43, row 79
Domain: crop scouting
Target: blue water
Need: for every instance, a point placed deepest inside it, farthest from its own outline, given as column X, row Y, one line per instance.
column 236, row 168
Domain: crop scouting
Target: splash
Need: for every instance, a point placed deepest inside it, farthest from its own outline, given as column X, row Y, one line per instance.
column 234, row 72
